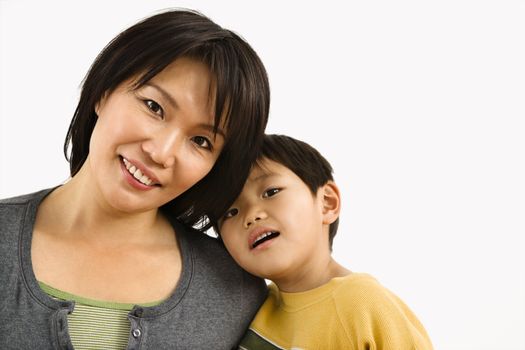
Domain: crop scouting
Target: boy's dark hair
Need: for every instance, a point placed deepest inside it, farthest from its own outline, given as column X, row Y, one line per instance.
column 304, row 160
column 242, row 99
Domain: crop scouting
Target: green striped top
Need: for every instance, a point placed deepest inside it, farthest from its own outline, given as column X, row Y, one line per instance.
column 95, row 324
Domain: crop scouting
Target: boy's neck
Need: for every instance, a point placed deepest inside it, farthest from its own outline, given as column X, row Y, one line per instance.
column 314, row 277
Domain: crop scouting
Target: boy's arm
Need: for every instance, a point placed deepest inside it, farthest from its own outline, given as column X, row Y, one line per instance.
column 375, row 318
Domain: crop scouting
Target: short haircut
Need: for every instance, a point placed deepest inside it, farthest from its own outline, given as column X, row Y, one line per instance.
column 242, row 98
column 304, row 160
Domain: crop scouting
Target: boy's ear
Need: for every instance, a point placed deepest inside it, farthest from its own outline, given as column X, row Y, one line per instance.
column 331, row 201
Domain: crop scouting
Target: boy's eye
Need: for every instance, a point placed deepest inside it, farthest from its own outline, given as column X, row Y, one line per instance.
column 202, row 142
column 271, row 192
column 231, row 213
column 154, row 107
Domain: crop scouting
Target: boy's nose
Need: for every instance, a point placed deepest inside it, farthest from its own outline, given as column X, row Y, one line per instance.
column 249, row 222
column 254, row 217
column 164, row 148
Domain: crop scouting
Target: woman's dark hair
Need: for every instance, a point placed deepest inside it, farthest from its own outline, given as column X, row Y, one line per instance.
column 242, row 98
column 304, row 160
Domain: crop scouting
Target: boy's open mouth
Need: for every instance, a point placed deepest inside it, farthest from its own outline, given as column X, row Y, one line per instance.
column 266, row 236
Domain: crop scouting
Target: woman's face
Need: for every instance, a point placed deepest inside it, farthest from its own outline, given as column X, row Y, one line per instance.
column 151, row 144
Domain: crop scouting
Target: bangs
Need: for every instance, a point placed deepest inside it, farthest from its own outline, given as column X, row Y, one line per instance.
column 262, row 164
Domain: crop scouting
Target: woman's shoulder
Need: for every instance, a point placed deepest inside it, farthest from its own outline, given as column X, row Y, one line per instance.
column 207, row 252
column 13, row 209
column 214, row 269
column 200, row 242
column 25, row 198
column 16, row 218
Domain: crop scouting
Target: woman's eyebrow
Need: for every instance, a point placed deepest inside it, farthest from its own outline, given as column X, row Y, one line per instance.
column 164, row 93
column 211, row 129
column 173, row 103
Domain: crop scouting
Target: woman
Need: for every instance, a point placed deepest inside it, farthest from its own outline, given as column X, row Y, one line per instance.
column 170, row 111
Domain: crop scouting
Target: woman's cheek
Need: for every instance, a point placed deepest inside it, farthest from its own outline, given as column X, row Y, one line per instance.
column 193, row 171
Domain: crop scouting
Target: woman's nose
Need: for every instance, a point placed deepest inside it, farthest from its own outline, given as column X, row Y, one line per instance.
column 164, row 148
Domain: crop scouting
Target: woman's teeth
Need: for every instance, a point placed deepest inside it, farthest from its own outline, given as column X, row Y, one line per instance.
column 137, row 174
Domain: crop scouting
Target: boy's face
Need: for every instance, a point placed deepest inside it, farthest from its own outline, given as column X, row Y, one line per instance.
column 276, row 229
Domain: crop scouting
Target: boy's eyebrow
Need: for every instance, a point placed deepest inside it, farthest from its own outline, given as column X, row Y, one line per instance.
column 263, row 176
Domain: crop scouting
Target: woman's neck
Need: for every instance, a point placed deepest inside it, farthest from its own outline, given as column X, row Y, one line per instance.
column 78, row 208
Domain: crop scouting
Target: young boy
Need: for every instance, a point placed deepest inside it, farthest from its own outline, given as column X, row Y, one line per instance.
column 281, row 228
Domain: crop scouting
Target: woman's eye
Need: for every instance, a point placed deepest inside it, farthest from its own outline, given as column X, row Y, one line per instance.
column 154, row 107
column 271, row 192
column 231, row 213
column 202, row 142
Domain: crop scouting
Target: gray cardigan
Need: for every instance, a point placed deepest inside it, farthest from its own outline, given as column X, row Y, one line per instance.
column 210, row 308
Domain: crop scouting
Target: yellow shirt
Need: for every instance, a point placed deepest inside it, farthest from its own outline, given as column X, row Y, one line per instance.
column 351, row 312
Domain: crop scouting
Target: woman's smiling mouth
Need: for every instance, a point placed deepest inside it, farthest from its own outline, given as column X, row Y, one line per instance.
column 137, row 174
column 138, row 177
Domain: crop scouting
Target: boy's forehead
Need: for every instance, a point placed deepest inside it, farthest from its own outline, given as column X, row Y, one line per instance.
column 257, row 174
column 263, row 169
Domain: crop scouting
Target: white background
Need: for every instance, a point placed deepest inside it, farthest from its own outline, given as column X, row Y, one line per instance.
column 419, row 106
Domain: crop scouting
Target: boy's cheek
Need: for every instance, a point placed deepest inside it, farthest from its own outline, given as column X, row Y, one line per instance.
column 230, row 239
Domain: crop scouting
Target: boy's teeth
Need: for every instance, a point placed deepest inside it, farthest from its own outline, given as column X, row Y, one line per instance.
column 262, row 236
column 266, row 236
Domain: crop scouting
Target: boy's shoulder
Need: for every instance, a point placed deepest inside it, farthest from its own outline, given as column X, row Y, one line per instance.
column 357, row 284
column 354, row 294
column 354, row 290
column 358, row 304
column 365, row 306
column 363, row 292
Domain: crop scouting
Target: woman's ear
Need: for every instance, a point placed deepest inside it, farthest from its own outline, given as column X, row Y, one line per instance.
column 331, row 201
column 97, row 108
column 100, row 103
